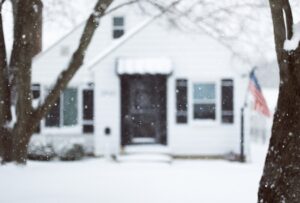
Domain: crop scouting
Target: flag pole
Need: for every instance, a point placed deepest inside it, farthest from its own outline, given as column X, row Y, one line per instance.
column 242, row 138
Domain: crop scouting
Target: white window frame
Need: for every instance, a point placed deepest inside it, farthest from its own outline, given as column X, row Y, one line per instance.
column 191, row 103
column 75, row 128
column 118, row 27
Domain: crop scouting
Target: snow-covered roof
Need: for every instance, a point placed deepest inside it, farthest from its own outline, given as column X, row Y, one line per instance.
column 144, row 66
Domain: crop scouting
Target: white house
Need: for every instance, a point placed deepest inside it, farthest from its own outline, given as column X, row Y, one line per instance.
column 145, row 83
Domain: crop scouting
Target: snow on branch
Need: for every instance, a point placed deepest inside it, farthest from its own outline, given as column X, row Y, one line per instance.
column 292, row 44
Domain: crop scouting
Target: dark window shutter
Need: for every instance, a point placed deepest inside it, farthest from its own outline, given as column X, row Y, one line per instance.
column 88, row 128
column 88, row 111
column 36, row 94
column 53, row 117
column 227, row 101
column 181, row 101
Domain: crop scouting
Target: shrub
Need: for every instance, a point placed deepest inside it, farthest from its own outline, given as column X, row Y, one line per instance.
column 40, row 151
column 72, row 152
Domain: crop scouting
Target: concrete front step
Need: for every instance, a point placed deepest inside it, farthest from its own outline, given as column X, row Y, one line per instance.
column 136, row 158
column 145, row 153
column 146, row 149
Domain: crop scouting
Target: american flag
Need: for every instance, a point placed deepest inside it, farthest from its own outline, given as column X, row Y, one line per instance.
column 260, row 102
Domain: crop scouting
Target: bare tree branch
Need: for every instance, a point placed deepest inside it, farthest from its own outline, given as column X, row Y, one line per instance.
column 121, row 5
column 75, row 63
column 278, row 26
column 288, row 19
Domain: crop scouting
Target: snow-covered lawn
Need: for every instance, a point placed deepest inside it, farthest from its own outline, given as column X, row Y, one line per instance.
column 101, row 181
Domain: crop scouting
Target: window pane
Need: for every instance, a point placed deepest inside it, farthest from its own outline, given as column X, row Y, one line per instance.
column 204, row 101
column 204, row 111
column 118, row 21
column 204, row 91
column 118, row 33
column 36, row 89
column 144, row 100
column 53, row 117
column 70, row 107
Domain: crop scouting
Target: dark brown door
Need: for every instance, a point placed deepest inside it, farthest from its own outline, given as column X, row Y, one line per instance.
column 143, row 109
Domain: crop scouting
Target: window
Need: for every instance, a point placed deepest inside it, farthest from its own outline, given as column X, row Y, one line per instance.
column 181, row 101
column 204, row 96
column 227, row 101
column 118, row 27
column 64, row 112
column 88, row 111
column 36, row 91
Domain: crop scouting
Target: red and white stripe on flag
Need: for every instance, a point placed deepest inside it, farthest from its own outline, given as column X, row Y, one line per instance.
column 260, row 104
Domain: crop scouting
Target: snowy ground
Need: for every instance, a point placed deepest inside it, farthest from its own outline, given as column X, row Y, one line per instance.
column 97, row 180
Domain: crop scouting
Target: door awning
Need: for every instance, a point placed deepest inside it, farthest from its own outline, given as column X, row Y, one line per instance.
column 142, row 66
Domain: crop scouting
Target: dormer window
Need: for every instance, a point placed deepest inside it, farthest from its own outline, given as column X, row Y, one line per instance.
column 118, row 27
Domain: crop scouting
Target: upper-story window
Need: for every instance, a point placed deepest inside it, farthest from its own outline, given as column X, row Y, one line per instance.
column 118, row 27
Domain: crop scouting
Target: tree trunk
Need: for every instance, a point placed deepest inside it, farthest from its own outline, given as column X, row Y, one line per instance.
column 27, row 15
column 23, row 49
column 280, row 181
column 281, row 177
column 5, row 111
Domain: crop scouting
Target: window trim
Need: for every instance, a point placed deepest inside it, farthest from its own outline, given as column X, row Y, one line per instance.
column 117, row 27
column 75, row 128
column 217, row 119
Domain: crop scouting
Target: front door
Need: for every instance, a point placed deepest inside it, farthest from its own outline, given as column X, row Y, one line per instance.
column 143, row 109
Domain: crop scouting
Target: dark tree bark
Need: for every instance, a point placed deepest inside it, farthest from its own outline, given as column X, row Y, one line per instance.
column 5, row 113
column 27, row 43
column 24, row 47
column 27, row 31
column 280, row 181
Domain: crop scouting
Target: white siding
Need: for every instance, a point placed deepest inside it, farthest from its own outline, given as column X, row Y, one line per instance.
column 194, row 57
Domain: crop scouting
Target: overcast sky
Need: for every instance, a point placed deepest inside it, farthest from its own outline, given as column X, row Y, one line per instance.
column 247, row 30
